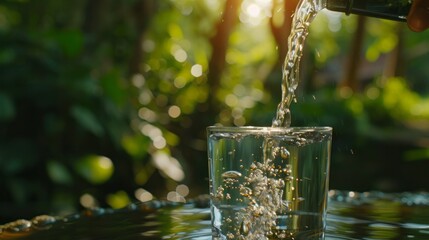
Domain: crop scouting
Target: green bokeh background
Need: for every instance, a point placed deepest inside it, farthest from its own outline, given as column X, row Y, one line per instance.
column 102, row 98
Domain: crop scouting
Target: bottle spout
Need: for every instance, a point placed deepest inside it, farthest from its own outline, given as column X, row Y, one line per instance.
column 386, row 9
column 339, row 6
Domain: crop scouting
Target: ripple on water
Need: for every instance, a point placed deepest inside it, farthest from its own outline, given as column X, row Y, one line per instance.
column 351, row 215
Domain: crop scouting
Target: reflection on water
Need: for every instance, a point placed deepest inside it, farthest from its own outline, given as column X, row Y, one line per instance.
column 351, row 215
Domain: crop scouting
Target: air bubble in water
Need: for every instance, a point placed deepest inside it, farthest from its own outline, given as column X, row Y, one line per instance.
column 274, row 152
column 245, row 191
column 231, row 174
column 288, row 169
column 253, row 166
column 284, row 153
column 219, row 192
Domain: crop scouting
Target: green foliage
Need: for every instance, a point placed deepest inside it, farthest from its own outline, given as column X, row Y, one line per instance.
column 59, row 103
column 95, row 169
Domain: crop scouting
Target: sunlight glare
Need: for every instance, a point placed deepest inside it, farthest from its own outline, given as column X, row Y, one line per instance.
column 253, row 10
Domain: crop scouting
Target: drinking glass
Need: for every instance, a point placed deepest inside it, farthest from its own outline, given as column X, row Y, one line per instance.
column 268, row 182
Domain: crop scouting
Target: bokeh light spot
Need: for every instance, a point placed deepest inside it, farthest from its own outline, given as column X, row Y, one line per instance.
column 175, row 197
column 88, row 201
column 168, row 166
column 147, row 114
column 197, row 70
column 138, row 80
column 148, row 45
column 180, row 55
column 159, row 142
column 253, row 10
column 174, row 111
column 182, row 189
column 143, row 195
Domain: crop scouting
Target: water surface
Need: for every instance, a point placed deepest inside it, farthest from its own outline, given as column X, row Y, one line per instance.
column 351, row 215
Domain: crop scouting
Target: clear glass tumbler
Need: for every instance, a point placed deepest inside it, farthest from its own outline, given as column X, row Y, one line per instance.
column 269, row 183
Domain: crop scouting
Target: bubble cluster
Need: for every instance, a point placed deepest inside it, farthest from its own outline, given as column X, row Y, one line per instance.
column 262, row 189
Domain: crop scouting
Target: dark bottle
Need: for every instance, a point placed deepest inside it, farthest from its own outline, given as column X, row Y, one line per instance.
column 387, row 9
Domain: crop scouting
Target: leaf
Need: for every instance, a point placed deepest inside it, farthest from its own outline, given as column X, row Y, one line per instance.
column 95, row 169
column 118, row 200
column 7, row 108
column 58, row 173
column 70, row 41
column 113, row 88
column 137, row 146
column 87, row 120
column 17, row 156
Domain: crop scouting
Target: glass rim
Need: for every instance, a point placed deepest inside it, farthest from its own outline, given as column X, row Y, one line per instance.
column 258, row 129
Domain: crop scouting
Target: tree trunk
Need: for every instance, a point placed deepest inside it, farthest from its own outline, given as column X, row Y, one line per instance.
column 219, row 43
column 280, row 33
column 143, row 13
column 394, row 64
column 350, row 78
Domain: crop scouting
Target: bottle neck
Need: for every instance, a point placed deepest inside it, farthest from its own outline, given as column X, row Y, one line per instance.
column 396, row 10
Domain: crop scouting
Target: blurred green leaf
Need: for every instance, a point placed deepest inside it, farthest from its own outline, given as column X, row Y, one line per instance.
column 7, row 108
column 17, row 156
column 59, row 173
column 94, row 168
column 136, row 145
column 87, row 120
column 113, row 86
column 9, row 17
column 117, row 200
column 172, row 139
column 70, row 41
column 416, row 155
